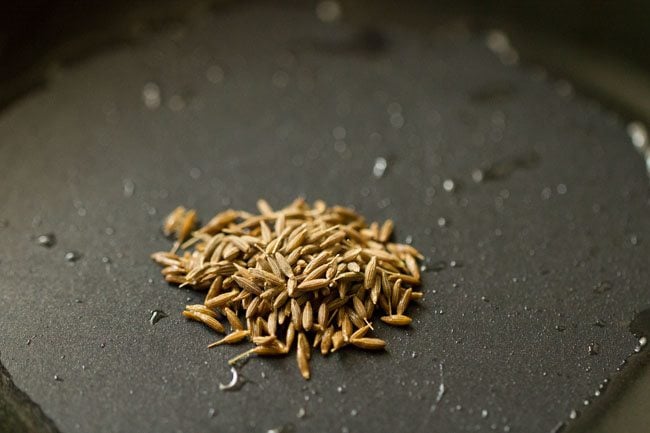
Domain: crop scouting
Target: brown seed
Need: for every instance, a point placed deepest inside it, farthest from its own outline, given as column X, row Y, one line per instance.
column 307, row 316
column 304, row 344
column 261, row 276
column 265, row 231
column 369, row 343
column 303, row 362
column 326, row 341
column 354, row 267
column 172, row 220
column 294, row 256
column 264, row 207
column 356, row 319
column 279, row 225
column 296, row 241
column 291, row 335
column 296, row 315
column 284, row 265
column 346, row 326
column 232, row 338
column 408, row 279
column 375, row 290
column 247, row 285
column 222, row 299
column 349, row 276
column 337, row 341
column 269, row 351
column 332, row 240
column 267, row 340
column 320, row 259
column 251, row 310
column 262, row 325
column 273, row 322
column 359, row 308
column 165, row 258
column 313, row 284
column 386, row 230
column 274, row 267
column 220, row 221
column 404, row 301
column 189, row 221
column 323, row 314
column 395, row 292
column 415, row 296
column 316, row 273
column 215, row 288
column 332, row 269
column 360, row 333
column 209, row 321
column 370, row 273
column 234, row 321
column 200, row 308
column 397, row 320
column 280, row 300
column 412, row 266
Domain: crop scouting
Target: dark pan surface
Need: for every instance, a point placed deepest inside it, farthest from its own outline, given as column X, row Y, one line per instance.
column 551, row 256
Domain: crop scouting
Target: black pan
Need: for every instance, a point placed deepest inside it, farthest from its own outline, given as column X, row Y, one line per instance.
column 528, row 200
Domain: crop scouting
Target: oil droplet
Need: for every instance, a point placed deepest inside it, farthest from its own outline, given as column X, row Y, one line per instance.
column 128, row 187
column 639, row 136
column 301, row 412
column 448, row 185
column 280, row 79
column 573, row 414
column 339, row 133
column 58, row 378
column 214, row 74
column 484, row 413
column 287, row 428
column 72, row 256
column 497, row 42
column 195, row 173
column 442, row 222
column 47, row 240
column 354, row 412
column 236, row 382
column 176, row 103
column 151, row 96
column 328, row 11
column 380, row 167
column 212, row 412
column 156, row 316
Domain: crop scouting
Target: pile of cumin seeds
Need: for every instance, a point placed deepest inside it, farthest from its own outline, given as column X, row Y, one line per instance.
column 309, row 277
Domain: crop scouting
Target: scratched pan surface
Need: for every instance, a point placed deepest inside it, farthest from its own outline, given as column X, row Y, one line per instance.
column 550, row 249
